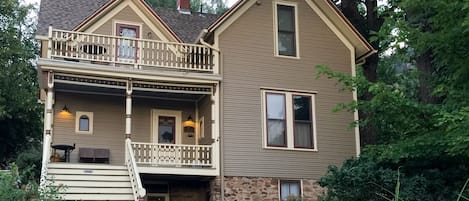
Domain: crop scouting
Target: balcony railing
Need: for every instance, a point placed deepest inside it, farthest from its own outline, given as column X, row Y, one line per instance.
column 173, row 155
column 132, row 52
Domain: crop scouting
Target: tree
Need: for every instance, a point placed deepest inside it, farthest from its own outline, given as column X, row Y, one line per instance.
column 20, row 113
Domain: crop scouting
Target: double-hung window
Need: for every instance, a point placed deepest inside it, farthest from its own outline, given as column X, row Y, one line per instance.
column 289, row 120
column 290, row 190
column 286, row 33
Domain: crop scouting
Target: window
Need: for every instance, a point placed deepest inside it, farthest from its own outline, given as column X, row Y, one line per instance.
column 127, row 47
column 286, row 25
column 289, row 190
column 289, row 120
column 276, row 120
column 84, row 123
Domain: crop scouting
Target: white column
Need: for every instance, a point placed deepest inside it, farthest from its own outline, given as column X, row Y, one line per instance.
column 48, row 116
column 128, row 110
column 216, row 125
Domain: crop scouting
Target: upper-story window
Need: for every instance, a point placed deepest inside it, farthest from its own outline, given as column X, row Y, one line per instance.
column 287, row 30
column 127, row 47
column 289, row 120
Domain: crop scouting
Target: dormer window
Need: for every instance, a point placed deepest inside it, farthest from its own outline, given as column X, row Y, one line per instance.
column 84, row 123
column 286, row 29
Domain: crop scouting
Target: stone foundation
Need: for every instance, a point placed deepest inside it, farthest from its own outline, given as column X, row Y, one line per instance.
column 258, row 189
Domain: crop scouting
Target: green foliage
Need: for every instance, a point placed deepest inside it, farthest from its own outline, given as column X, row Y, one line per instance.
column 20, row 113
column 13, row 187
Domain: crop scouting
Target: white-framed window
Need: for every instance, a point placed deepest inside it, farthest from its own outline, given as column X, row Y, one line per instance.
column 290, row 190
column 84, row 122
column 286, row 29
column 289, row 120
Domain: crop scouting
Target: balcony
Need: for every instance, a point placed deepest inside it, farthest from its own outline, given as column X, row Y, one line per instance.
column 134, row 53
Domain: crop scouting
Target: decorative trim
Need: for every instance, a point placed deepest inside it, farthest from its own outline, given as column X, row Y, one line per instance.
column 89, row 80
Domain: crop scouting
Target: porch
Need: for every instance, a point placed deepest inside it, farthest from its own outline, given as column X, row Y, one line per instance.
column 168, row 128
column 131, row 53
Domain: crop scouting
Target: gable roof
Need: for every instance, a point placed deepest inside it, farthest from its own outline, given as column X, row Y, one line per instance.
column 363, row 49
column 70, row 14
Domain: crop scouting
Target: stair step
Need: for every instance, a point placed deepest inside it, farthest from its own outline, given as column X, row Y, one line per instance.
column 56, row 171
column 91, row 184
column 97, row 197
column 94, row 190
column 61, row 177
column 86, row 166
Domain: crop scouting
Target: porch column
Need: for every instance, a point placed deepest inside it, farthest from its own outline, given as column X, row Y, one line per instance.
column 48, row 118
column 128, row 110
column 216, row 125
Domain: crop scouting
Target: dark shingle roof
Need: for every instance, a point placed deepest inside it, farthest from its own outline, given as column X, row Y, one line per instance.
column 67, row 14
column 186, row 26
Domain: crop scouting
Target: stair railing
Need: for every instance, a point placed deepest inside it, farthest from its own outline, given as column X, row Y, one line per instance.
column 46, row 152
column 137, row 188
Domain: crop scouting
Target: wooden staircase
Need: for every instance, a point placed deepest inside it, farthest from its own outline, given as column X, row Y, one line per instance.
column 90, row 181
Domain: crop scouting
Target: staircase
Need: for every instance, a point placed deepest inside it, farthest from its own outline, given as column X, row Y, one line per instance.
column 90, row 181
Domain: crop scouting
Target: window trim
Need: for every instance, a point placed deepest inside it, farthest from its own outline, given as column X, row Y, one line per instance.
column 297, row 37
column 299, row 181
column 78, row 116
column 289, row 118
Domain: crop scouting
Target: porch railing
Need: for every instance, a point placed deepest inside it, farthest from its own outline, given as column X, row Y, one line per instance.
column 46, row 153
column 137, row 188
column 133, row 52
column 177, row 155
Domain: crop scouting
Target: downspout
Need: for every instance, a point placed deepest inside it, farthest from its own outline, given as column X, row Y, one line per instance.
column 220, row 110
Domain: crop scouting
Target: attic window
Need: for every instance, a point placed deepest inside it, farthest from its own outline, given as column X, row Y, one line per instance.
column 286, row 29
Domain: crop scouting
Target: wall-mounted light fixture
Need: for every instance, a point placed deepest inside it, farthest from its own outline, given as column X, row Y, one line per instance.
column 65, row 110
column 189, row 127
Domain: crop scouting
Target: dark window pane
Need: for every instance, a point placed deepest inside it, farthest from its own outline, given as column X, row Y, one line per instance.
column 290, row 190
column 302, row 107
column 166, row 129
column 286, row 18
column 286, row 44
column 276, row 120
column 84, row 123
column 303, row 121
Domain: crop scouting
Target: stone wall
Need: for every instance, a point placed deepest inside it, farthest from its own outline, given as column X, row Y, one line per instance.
column 259, row 188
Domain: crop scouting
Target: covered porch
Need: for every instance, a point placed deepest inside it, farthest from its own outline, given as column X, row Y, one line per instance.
column 161, row 127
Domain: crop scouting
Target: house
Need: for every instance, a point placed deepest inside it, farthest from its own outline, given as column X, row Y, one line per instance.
column 147, row 103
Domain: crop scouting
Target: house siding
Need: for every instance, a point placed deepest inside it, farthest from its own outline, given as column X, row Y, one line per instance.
column 109, row 121
column 205, row 110
column 126, row 15
column 249, row 64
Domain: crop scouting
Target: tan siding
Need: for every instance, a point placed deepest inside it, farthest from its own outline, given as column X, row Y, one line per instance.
column 205, row 110
column 109, row 121
column 127, row 15
column 249, row 64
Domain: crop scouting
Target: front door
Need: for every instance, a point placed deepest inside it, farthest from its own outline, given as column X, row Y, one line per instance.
column 166, row 126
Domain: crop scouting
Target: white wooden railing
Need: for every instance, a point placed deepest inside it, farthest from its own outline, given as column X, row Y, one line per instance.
column 137, row 188
column 175, row 155
column 46, row 152
column 133, row 52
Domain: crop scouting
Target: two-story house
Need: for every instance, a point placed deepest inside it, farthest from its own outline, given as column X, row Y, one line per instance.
column 162, row 104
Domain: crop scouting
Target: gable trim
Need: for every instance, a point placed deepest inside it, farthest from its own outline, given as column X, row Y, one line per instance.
column 108, row 6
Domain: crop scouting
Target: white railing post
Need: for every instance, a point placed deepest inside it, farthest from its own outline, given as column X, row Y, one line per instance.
column 137, row 187
column 46, row 152
column 49, row 44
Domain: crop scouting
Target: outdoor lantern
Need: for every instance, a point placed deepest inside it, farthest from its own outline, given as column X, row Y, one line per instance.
column 189, row 127
column 65, row 110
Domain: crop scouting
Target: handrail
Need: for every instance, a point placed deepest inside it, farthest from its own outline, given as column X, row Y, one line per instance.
column 46, row 152
column 137, row 188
